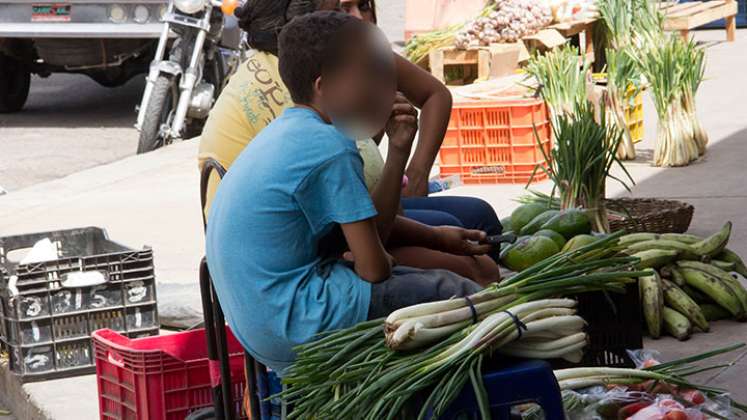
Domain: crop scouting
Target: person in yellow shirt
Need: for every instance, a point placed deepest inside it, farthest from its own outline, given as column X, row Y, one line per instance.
column 255, row 95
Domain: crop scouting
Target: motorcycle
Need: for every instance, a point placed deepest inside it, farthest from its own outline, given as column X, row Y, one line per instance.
column 181, row 87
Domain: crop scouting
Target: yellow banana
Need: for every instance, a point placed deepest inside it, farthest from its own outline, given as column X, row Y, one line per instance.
column 714, row 288
column 652, row 300
column 714, row 244
column 676, row 324
column 678, row 300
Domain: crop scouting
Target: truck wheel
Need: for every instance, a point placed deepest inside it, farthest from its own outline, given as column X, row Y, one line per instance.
column 15, row 80
column 160, row 110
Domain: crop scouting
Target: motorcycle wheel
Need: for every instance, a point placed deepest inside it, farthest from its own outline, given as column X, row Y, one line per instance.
column 15, row 81
column 160, row 109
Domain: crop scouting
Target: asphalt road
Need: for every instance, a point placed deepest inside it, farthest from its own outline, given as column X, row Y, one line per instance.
column 70, row 123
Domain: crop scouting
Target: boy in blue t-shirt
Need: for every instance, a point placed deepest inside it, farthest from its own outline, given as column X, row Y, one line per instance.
column 297, row 180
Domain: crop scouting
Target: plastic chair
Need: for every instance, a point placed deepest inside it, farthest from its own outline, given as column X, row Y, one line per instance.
column 519, row 383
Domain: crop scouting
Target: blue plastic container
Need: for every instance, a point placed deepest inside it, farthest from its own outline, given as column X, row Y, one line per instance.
column 721, row 24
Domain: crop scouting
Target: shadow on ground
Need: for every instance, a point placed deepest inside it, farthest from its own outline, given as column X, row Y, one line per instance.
column 76, row 101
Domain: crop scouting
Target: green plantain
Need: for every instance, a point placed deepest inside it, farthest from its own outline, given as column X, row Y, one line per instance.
column 652, row 300
column 676, row 324
column 678, row 300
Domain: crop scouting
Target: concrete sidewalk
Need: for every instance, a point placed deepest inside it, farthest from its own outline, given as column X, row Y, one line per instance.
column 154, row 200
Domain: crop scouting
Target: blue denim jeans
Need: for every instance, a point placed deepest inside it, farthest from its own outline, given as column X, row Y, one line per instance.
column 466, row 212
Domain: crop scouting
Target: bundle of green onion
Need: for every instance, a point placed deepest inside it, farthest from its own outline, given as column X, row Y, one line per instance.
column 628, row 24
column 581, row 160
column 419, row 46
column 377, row 369
column 561, row 78
column 674, row 69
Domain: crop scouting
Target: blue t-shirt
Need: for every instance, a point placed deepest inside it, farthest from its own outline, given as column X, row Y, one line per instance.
column 288, row 188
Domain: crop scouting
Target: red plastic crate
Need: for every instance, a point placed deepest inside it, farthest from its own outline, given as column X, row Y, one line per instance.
column 159, row 378
column 493, row 142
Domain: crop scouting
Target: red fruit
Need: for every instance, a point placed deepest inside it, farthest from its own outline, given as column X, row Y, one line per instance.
column 675, row 415
column 631, row 409
column 649, row 362
column 693, row 396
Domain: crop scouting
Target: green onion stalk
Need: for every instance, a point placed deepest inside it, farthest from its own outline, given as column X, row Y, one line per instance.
column 581, row 160
column 694, row 72
column 618, row 19
column 629, row 23
column 378, row 369
column 622, row 83
column 561, row 80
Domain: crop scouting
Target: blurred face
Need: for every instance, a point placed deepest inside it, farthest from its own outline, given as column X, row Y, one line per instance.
column 358, row 95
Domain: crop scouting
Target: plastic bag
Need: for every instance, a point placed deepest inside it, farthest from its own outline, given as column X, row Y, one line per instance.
column 625, row 403
column 644, row 358
column 615, row 403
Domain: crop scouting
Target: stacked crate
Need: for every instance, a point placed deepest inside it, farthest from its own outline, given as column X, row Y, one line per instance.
column 49, row 309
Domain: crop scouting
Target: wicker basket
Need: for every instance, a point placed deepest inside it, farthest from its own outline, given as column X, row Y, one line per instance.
column 650, row 215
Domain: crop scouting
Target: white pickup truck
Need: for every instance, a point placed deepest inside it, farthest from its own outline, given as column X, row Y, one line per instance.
column 109, row 40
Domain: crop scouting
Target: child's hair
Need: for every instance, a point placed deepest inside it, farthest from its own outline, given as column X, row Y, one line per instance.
column 312, row 44
column 262, row 20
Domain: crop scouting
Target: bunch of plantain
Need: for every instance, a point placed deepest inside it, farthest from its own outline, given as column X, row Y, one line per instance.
column 690, row 282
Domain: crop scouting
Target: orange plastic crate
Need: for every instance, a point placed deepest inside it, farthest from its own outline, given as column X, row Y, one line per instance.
column 493, row 142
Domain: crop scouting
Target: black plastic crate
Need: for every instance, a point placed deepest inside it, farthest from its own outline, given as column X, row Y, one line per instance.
column 613, row 327
column 48, row 310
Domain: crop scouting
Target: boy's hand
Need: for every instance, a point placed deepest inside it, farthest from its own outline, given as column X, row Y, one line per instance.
column 460, row 241
column 402, row 125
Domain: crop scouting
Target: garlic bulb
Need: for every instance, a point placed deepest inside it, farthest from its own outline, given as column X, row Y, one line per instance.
column 508, row 22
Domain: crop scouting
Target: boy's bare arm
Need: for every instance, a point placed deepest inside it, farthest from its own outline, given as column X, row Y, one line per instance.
column 401, row 130
column 372, row 262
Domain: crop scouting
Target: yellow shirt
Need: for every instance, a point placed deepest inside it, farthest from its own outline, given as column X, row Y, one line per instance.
column 254, row 96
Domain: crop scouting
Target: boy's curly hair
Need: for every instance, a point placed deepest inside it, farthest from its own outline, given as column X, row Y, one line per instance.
column 312, row 44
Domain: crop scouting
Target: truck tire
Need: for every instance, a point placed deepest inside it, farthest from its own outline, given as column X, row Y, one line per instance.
column 161, row 104
column 15, row 81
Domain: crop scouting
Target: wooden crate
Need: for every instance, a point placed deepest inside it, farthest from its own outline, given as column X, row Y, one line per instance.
column 569, row 29
column 442, row 57
column 683, row 17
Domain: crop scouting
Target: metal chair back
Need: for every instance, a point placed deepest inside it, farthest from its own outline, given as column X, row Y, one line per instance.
column 215, row 328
